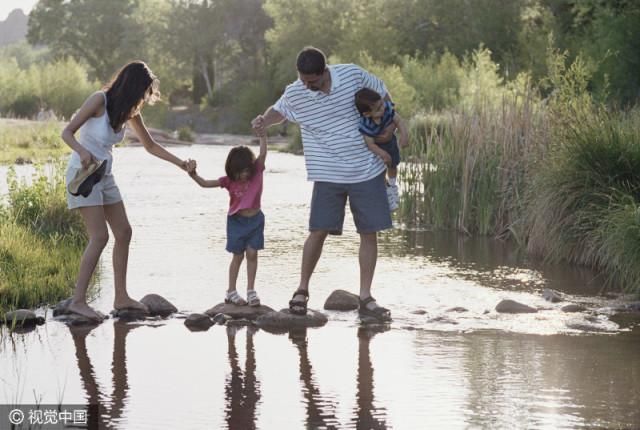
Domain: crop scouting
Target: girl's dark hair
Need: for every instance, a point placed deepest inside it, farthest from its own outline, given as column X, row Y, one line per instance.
column 239, row 158
column 365, row 99
column 311, row 61
column 131, row 87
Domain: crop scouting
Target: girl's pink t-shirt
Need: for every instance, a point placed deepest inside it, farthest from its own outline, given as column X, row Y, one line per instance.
column 244, row 195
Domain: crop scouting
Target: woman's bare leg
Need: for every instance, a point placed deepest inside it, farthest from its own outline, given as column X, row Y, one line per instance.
column 117, row 218
column 94, row 221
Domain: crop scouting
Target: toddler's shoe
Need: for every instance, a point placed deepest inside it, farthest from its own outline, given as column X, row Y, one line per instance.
column 252, row 298
column 393, row 197
column 234, row 298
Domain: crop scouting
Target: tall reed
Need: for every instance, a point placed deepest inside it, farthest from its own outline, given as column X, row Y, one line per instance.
column 467, row 169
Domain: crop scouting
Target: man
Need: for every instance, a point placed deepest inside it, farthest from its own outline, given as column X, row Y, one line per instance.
column 339, row 163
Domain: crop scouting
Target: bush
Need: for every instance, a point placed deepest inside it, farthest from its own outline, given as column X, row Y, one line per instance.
column 41, row 206
column 584, row 202
column 42, row 242
column 185, row 133
column 436, row 81
column 61, row 86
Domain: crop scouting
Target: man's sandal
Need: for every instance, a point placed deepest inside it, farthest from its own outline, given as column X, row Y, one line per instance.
column 380, row 313
column 233, row 298
column 299, row 307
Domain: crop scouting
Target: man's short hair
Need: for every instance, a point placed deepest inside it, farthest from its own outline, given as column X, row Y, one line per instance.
column 365, row 99
column 311, row 61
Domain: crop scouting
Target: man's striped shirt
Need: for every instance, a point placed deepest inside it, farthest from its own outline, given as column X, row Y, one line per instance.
column 334, row 148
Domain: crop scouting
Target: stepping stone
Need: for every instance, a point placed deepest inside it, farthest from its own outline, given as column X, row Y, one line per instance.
column 285, row 320
column 513, row 307
column 198, row 322
column 238, row 312
column 158, row 305
column 21, row 318
column 341, row 300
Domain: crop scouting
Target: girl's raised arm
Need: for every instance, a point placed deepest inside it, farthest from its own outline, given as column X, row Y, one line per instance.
column 263, row 148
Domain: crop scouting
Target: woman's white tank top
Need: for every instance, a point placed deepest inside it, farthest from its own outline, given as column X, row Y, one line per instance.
column 97, row 137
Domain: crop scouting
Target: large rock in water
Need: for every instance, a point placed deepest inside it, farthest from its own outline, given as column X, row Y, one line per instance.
column 158, row 305
column 236, row 312
column 512, row 307
column 21, row 318
column 285, row 320
column 198, row 322
column 551, row 296
column 341, row 300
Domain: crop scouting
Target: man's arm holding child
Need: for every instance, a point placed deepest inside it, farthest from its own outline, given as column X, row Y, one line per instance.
column 387, row 133
column 402, row 127
column 377, row 150
column 205, row 183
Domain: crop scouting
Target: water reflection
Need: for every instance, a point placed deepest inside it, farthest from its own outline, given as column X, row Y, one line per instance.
column 110, row 408
column 490, row 262
column 368, row 416
column 320, row 410
column 242, row 389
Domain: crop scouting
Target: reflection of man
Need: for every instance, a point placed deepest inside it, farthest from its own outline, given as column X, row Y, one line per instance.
column 338, row 162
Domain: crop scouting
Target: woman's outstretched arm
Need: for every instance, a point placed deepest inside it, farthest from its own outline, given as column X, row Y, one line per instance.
column 151, row 145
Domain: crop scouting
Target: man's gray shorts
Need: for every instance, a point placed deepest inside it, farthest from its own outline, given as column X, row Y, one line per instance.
column 367, row 200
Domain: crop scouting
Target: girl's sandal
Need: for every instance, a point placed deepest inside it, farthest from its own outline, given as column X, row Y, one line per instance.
column 252, row 298
column 299, row 307
column 233, row 298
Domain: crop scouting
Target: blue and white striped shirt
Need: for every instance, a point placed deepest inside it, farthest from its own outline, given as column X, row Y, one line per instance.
column 334, row 148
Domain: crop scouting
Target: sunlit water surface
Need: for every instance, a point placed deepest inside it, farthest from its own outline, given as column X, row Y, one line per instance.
column 439, row 369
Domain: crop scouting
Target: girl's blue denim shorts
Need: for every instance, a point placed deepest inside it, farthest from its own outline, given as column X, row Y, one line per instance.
column 245, row 232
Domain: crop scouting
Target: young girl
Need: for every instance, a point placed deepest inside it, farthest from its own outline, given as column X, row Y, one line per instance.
column 101, row 121
column 245, row 220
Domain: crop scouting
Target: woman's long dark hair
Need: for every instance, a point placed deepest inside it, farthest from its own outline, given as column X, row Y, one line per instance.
column 131, row 87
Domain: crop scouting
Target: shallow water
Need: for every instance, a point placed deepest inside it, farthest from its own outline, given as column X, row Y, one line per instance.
column 441, row 369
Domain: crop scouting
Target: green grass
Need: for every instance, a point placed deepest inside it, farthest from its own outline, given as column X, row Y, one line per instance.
column 42, row 242
column 30, row 141
column 584, row 202
column 466, row 170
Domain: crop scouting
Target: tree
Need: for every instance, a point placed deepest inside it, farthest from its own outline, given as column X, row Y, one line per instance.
column 90, row 31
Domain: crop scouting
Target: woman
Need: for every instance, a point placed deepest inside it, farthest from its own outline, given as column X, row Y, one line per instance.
column 101, row 121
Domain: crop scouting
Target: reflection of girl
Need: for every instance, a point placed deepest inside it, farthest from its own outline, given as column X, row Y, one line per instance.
column 101, row 121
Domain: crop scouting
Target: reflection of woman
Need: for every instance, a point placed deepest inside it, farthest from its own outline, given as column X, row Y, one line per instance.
column 242, row 396
column 101, row 121
column 97, row 409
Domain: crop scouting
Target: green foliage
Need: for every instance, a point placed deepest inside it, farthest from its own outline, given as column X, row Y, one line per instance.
column 42, row 241
column 30, row 141
column 436, row 80
column 185, row 133
column 467, row 169
column 61, row 86
column 97, row 35
column 584, row 199
column 403, row 94
column 41, row 205
column 251, row 100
